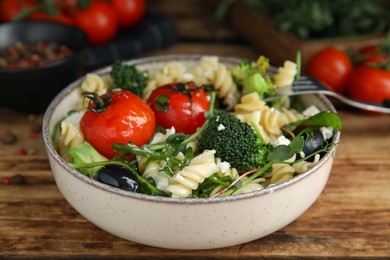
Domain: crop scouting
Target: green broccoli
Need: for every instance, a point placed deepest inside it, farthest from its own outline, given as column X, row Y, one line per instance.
column 250, row 76
column 235, row 142
column 128, row 77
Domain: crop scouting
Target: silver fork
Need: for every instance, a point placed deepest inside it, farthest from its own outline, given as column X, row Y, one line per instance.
column 307, row 85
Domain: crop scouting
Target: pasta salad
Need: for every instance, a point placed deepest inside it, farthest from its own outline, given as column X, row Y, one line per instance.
column 197, row 130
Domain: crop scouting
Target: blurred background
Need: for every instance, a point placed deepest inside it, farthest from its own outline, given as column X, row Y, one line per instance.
column 126, row 29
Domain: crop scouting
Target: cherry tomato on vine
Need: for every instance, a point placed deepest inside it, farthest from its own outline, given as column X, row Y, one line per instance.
column 123, row 117
column 98, row 21
column 369, row 84
column 129, row 12
column 181, row 105
column 331, row 67
column 371, row 55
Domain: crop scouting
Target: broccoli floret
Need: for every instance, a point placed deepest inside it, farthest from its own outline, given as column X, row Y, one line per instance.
column 128, row 77
column 235, row 142
column 250, row 76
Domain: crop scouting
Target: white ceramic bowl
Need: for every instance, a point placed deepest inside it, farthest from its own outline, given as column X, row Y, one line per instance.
column 184, row 223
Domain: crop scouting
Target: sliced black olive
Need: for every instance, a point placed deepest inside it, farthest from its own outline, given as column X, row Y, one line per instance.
column 118, row 177
column 313, row 144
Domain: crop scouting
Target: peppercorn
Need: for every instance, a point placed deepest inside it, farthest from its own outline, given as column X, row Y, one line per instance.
column 8, row 137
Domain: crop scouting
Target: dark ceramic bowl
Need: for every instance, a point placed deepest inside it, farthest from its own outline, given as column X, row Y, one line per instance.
column 30, row 90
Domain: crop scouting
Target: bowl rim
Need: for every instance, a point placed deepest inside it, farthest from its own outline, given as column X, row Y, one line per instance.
column 55, row 64
column 150, row 198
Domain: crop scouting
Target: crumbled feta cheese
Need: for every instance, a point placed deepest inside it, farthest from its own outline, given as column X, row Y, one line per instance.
column 223, row 166
column 327, row 132
column 188, row 76
column 280, row 140
column 161, row 180
column 221, row 127
column 160, row 137
column 311, row 111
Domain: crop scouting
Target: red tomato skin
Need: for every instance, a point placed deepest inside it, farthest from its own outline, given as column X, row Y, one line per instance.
column 127, row 118
column 98, row 21
column 331, row 67
column 369, row 84
column 371, row 55
column 129, row 12
column 182, row 115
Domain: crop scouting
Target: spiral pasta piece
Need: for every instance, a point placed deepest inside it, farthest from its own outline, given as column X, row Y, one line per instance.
column 254, row 118
column 250, row 187
column 281, row 172
column 249, row 103
column 70, row 136
column 93, row 83
column 301, row 167
column 225, row 86
column 172, row 71
column 205, row 71
column 285, row 75
column 188, row 179
column 289, row 115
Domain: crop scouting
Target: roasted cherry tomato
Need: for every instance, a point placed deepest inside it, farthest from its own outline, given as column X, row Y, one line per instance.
column 331, row 67
column 121, row 117
column 369, row 84
column 181, row 105
column 129, row 12
column 98, row 21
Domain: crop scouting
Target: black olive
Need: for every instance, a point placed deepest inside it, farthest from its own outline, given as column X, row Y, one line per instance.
column 313, row 144
column 118, row 177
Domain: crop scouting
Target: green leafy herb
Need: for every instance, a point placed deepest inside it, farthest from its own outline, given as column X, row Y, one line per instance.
column 128, row 77
column 324, row 118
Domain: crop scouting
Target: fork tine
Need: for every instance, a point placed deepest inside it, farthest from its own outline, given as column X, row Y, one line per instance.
column 306, row 83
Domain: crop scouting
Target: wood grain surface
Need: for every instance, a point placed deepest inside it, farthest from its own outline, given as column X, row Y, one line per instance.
column 351, row 218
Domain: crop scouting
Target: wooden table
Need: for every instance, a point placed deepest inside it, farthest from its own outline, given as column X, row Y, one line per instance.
column 351, row 218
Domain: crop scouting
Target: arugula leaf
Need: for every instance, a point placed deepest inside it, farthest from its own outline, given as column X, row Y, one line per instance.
column 297, row 144
column 280, row 153
column 324, row 118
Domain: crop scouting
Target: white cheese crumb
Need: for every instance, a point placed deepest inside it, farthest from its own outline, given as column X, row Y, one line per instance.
column 280, row 140
column 221, row 127
column 223, row 166
column 188, row 76
column 302, row 154
column 311, row 111
column 327, row 132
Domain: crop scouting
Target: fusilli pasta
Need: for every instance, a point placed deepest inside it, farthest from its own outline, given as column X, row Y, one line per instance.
column 185, row 181
column 250, row 187
column 70, row 135
column 285, row 75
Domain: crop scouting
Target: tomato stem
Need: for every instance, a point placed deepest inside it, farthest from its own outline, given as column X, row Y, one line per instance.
column 96, row 103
